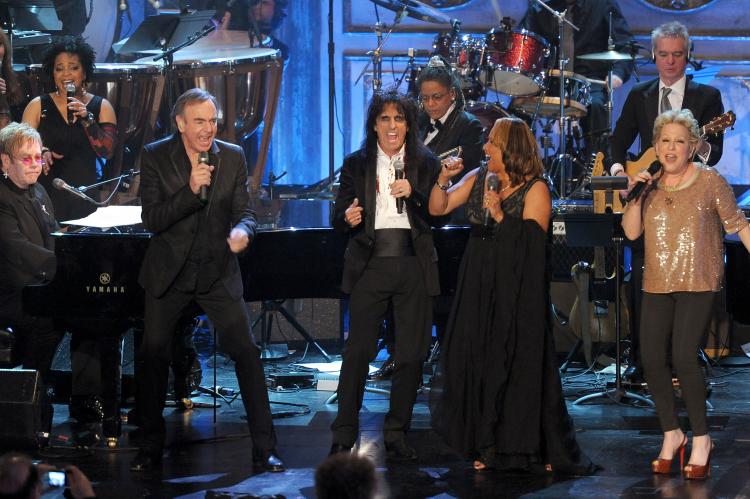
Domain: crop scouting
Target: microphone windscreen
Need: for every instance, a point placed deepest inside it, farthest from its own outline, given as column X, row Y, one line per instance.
column 493, row 183
column 654, row 167
column 58, row 183
column 203, row 157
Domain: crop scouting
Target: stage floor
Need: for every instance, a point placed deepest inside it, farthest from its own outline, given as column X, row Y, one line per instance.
column 203, row 456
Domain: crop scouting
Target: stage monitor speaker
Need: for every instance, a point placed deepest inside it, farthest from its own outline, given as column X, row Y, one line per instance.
column 26, row 415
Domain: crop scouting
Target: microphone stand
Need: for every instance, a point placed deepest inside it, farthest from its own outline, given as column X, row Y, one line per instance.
column 376, row 55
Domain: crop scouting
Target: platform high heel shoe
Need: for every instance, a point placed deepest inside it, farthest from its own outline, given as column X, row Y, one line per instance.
column 697, row 471
column 664, row 466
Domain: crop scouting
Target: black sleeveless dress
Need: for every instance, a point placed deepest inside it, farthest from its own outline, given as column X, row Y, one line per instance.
column 78, row 165
column 497, row 392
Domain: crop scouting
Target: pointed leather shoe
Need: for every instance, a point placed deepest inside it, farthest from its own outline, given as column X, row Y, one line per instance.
column 268, row 460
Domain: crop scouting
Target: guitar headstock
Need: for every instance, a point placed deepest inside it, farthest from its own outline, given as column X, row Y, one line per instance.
column 720, row 123
column 597, row 170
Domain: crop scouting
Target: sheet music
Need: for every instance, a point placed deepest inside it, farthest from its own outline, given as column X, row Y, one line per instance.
column 110, row 216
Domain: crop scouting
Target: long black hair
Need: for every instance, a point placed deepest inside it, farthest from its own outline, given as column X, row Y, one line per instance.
column 405, row 105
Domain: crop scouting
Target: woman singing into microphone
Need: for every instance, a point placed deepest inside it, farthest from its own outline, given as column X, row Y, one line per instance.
column 497, row 396
column 683, row 215
column 76, row 129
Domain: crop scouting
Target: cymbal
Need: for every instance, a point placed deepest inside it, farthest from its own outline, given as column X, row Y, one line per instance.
column 416, row 10
column 609, row 56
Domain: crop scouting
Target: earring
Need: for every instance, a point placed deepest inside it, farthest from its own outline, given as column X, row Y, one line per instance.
column 5, row 174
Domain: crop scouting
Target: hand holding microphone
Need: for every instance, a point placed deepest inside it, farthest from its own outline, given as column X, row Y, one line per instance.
column 491, row 198
column 400, row 188
column 200, row 176
column 644, row 178
column 70, row 92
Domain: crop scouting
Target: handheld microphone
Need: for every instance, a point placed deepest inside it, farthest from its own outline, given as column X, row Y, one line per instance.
column 61, row 185
column 203, row 158
column 636, row 191
column 398, row 168
column 70, row 90
column 493, row 184
column 123, row 5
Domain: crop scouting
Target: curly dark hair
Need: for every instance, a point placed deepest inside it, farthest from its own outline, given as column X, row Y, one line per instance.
column 71, row 45
column 278, row 14
column 405, row 105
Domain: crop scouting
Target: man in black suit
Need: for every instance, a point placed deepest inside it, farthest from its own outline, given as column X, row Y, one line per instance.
column 390, row 258
column 670, row 44
column 592, row 17
column 200, row 216
column 27, row 249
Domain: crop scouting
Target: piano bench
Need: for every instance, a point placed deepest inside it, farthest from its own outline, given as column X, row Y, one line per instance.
column 7, row 341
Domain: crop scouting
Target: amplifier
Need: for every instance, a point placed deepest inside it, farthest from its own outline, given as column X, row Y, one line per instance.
column 563, row 255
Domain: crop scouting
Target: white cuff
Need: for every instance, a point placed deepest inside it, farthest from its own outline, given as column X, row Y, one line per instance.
column 616, row 168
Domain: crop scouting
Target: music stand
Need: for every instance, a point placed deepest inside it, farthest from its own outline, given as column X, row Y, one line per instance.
column 603, row 229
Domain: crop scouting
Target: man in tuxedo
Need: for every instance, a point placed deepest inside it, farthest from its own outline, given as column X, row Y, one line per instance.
column 673, row 89
column 390, row 257
column 443, row 126
column 27, row 248
column 195, row 201
column 592, row 17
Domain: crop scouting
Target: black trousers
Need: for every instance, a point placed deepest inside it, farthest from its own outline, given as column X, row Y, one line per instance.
column 678, row 321
column 399, row 280
column 232, row 323
column 36, row 339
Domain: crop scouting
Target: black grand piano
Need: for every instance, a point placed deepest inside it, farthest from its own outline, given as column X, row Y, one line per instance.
column 296, row 254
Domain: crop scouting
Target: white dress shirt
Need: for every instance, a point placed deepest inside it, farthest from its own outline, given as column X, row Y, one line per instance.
column 386, row 214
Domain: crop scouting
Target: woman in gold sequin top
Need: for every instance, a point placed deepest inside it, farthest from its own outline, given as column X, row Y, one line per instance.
column 683, row 214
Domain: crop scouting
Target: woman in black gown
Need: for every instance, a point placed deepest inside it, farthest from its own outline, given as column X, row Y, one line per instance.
column 497, row 396
column 71, row 148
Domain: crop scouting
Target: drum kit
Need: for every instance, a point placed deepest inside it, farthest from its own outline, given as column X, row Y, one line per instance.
column 514, row 66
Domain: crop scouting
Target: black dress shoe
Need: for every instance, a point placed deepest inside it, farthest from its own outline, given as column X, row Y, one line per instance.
column 146, row 461
column 268, row 460
column 399, row 450
column 633, row 375
column 385, row 371
column 339, row 449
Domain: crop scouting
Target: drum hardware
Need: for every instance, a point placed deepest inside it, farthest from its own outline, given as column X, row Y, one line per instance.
column 611, row 56
column 402, row 8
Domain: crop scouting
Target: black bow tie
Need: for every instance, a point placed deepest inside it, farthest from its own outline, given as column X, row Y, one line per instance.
column 438, row 125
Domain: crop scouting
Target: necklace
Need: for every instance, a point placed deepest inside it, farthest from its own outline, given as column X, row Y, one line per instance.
column 672, row 188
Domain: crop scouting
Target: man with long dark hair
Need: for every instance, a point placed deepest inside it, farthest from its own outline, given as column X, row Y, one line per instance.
column 382, row 205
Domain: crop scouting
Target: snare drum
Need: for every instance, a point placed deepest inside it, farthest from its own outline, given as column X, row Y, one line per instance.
column 514, row 61
column 577, row 97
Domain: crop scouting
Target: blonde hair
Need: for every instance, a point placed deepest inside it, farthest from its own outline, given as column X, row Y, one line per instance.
column 520, row 151
column 677, row 117
column 14, row 135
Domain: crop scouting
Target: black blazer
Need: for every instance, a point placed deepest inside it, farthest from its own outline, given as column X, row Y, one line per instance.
column 460, row 129
column 171, row 211
column 592, row 17
column 27, row 248
column 642, row 107
column 357, row 180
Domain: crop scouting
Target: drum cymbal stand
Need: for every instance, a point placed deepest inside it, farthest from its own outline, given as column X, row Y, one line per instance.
column 376, row 56
column 562, row 62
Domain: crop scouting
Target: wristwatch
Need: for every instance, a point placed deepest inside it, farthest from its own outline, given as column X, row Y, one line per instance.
column 88, row 120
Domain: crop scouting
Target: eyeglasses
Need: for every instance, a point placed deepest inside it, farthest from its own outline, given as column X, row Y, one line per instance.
column 434, row 97
column 29, row 160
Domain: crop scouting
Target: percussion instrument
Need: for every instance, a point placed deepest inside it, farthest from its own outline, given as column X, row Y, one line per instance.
column 415, row 10
column 577, row 97
column 465, row 55
column 514, row 61
column 487, row 112
column 609, row 56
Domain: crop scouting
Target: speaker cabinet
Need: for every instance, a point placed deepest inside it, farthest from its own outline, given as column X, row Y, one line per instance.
column 26, row 414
